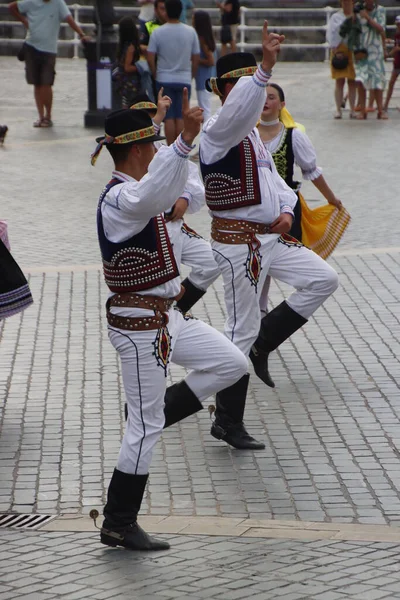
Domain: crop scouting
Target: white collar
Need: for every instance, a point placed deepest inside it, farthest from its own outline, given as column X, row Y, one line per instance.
column 122, row 176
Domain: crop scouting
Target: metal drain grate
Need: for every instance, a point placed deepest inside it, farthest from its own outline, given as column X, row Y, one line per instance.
column 24, row 521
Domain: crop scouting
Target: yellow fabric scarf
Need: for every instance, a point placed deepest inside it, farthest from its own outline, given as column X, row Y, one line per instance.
column 321, row 227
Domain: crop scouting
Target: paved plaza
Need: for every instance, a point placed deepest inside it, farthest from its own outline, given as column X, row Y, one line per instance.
column 316, row 515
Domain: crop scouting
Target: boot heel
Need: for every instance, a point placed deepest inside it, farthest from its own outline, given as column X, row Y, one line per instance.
column 112, row 540
column 108, row 541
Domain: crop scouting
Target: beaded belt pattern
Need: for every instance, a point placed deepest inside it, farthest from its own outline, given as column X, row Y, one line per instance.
column 130, row 300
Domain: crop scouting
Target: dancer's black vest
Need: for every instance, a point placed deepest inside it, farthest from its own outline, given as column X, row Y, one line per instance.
column 141, row 262
column 232, row 182
column 284, row 159
column 284, row 162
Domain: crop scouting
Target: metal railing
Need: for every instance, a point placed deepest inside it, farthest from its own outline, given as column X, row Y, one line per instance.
column 245, row 13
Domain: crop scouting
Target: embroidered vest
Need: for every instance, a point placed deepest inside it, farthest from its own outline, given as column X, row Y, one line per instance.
column 232, row 182
column 141, row 262
column 284, row 159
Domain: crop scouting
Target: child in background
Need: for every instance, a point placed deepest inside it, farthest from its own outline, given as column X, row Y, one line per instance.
column 202, row 24
column 395, row 52
column 126, row 73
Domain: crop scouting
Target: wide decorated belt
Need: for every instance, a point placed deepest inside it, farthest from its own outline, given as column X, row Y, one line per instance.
column 159, row 305
column 237, row 231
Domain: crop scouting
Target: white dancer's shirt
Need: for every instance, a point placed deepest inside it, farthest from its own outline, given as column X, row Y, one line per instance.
column 129, row 206
column 229, row 126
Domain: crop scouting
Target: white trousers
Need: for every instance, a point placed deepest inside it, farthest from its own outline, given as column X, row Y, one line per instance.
column 204, row 101
column 197, row 254
column 244, row 274
column 215, row 364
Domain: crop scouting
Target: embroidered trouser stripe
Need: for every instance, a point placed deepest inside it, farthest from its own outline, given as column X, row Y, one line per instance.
column 214, row 364
column 313, row 278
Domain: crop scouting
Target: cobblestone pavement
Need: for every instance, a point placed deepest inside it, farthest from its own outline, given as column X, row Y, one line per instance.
column 331, row 426
column 76, row 567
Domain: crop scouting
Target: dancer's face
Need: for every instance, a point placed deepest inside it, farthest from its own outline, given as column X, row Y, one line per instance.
column 272, row 106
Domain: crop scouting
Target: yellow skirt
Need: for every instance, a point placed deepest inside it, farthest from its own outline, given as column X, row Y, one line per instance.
column 322, row 227
column 348, row 72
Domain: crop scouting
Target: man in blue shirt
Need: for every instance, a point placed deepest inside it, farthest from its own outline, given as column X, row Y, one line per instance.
column 42, row 19
column 177, row 49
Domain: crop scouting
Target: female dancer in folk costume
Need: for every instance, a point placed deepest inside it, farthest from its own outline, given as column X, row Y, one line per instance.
column 190, row 248
column 15, row 294
column 322, row 228
column 319, row 229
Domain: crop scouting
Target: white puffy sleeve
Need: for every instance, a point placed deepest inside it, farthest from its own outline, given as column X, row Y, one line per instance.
column 305, row 156
column 236, row 119
column 128, row 207
column 194, row 190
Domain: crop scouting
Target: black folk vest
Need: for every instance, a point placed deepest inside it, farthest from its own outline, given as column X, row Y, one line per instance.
column 233, row 181
column 284, row 159
column 141, row 262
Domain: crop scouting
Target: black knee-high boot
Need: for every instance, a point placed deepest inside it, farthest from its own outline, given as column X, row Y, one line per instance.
column 190, row 297
column 120, row 527
column 228, row 424
column 180, row 402
column 275, row 328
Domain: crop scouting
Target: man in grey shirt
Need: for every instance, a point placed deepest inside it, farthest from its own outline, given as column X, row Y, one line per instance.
column 177, row 49
column 42, row 20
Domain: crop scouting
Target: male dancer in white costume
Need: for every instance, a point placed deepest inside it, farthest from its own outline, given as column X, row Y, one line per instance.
column 194, row 251
column 141, row 272
column 252, row 209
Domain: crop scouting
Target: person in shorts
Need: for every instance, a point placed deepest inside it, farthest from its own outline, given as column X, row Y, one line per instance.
column 230, row 10
column 395, row 52
column 176, row 64
column 42, row 19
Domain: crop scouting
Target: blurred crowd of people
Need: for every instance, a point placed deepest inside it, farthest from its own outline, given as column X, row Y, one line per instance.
column 148, row 60
column 356, row 35
column 148, row 57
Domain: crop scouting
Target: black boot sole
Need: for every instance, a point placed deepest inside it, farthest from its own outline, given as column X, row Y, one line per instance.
column 108, row 540
column 260, row 369
column 238, row 443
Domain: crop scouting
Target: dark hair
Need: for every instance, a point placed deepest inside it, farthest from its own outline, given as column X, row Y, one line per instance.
column 202, row 25
column 157, row 2
column 119, row 152
column 279, row 90
column 223, row 82
column 128, row 34
column 173, row 8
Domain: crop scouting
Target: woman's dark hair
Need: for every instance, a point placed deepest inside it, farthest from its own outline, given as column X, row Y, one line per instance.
column 128, row 34
column 202, row 25
column 173, row 8
column 279, row 90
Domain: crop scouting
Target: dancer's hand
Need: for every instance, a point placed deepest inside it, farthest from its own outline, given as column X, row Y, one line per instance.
column 336, row 202
column 180, row 207
column 192, row 119
column 271, row 45
column 283, row 224
column 163, row 104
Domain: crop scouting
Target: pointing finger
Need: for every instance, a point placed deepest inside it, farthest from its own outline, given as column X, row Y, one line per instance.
column 185, row 100
column 160, row 93
column 265, row 29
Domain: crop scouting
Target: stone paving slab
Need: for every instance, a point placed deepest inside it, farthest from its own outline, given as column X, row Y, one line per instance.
column 41, row 566
column 331, row 425
column 226, row 526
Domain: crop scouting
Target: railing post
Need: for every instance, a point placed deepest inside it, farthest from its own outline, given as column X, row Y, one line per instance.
column 328, row 13
column 242, row 42
column 76, row 8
